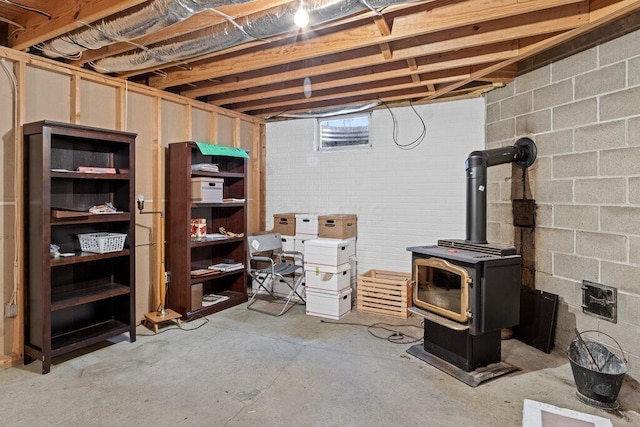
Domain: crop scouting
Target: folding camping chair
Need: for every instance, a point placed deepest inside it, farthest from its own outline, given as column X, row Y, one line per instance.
column 266, row 249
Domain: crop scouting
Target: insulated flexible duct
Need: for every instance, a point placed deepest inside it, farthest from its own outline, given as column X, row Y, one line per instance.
column 231, row 34
column 154, row 17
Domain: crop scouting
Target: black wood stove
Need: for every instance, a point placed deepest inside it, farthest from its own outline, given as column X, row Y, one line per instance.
column 468, row 290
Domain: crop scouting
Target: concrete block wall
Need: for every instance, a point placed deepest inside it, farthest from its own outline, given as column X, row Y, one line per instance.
column 402, row 197
column 584, row 115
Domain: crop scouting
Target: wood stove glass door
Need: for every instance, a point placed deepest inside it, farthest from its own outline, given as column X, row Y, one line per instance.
column 442, row 288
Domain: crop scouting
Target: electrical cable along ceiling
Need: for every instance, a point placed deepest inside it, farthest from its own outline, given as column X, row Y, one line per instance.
column 248, row 56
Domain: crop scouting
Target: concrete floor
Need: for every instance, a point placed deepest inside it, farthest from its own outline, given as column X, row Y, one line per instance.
column 245, row 368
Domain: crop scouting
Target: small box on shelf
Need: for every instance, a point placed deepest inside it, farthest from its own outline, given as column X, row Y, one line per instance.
column 206, row 190
column 198, row 228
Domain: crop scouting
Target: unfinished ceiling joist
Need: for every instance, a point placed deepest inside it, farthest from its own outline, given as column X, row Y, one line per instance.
column 247, row 56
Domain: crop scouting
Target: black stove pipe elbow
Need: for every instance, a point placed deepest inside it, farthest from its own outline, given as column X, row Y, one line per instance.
column 522, row 153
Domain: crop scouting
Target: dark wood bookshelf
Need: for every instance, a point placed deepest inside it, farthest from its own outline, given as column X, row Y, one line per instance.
column 76, row 301
column 185, row 255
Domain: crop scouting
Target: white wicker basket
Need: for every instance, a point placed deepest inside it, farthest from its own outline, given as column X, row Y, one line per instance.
column 102, row 243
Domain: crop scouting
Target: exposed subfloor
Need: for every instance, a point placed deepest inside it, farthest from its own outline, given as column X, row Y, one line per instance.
column 246, row 368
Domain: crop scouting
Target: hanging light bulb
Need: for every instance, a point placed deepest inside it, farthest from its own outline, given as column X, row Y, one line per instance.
column 301, row 18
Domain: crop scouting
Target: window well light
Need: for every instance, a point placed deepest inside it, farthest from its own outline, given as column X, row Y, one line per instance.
column 301, row 18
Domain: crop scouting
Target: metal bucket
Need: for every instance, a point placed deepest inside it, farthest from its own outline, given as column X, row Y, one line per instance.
column 598, row 372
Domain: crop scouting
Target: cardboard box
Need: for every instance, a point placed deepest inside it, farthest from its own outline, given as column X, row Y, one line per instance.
column 298, row 244
column 196, row 296
column 198, row 228
column 326, row 252
column 332, row 305
column 317, row 280
column 307, row 226
column 288, row 243
column 337, row 226
column 284, row 223
column 206, row 190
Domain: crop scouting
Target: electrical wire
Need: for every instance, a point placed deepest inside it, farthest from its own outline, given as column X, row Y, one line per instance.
column 416, row 142
column 25, row 7
column 177, row 328
column 395, row 337
column 13, row 81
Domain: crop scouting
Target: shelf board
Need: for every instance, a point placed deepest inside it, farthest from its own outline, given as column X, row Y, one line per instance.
column 80, row 257
column 81, row 175
column 218, row 205
column 88, row 335
column 235, row 298
column 215, row 276
column 195, row 244
column 217, row 174
column 87, row 295
column 88, row 218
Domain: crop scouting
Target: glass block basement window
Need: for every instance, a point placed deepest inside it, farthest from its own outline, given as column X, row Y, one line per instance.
column 344, row 132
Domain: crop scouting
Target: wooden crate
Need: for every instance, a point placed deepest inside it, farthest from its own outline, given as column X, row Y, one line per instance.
column 384, row 292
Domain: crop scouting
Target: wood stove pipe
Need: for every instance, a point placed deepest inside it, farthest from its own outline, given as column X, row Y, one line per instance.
column 522, row 153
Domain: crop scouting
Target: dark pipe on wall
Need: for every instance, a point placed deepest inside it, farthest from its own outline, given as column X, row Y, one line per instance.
column 522, row 153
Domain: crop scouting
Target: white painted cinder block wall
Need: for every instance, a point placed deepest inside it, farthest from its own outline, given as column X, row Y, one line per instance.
column 584, row 114
column 402, row 197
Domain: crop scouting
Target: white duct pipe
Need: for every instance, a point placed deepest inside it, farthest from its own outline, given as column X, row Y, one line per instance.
column 228, row 35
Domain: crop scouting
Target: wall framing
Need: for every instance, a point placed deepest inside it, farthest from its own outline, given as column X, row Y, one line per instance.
column 87, row 83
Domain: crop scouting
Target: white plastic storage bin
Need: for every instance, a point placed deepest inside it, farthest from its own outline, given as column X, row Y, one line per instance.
column 307, row 226
column 332, row 305
column 320, row 281
column 326, row 252
column 206, row 190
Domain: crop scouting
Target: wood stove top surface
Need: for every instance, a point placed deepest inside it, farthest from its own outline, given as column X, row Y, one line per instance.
column 461, row 255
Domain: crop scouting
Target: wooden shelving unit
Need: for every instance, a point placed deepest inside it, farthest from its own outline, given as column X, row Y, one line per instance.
column 84, row 298
column 185, row 255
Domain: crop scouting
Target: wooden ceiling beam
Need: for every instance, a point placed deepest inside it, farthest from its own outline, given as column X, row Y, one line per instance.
column 385, row 30
column 399, row 97
column 261, row 104
column 452, row 44
column 65, row 16
column 596, row 19
column 351, row 20
column 434, row 70
column 413, row 67
column 447, row 17
column 440, row 65
column 344, row 84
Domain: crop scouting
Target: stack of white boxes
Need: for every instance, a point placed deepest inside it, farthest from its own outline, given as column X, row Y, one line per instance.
column 327, row 270
column 345, row 227
column 306, row 229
